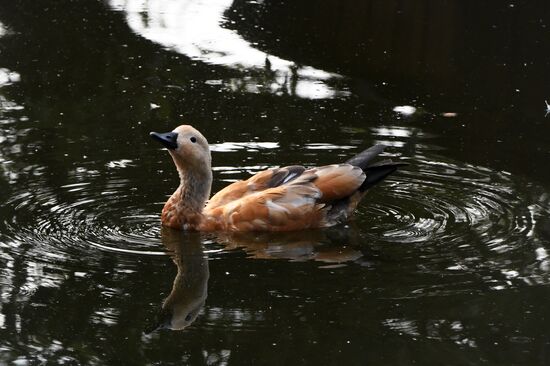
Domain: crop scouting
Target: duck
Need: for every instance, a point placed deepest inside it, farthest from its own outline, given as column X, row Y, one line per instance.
column 288, row 198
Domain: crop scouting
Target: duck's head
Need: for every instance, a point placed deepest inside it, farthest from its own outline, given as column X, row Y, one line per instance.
column 188, row 147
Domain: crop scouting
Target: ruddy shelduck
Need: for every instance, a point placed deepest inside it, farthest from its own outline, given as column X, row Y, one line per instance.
column 278, row 199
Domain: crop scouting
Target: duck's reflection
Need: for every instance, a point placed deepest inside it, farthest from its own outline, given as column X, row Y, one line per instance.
column 189, row 291
column 295, row 246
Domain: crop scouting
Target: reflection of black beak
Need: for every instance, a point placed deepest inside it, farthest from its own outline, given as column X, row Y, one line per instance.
column 169, row 139
column 163, row 321
column 154, row 327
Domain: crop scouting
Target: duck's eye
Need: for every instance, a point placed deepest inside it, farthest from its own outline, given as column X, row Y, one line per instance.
column 193, row 139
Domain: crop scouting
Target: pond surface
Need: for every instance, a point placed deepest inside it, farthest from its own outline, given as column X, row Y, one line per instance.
column 446, row 262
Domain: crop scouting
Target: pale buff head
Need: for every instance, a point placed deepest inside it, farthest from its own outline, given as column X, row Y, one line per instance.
column 187, row 146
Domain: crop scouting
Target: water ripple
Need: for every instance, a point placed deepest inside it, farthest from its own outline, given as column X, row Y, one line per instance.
column 82, row 216
column 447, row 219
column 437, row 216
column 436, row 200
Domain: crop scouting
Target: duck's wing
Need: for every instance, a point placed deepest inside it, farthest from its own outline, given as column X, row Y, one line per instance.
column 286, row 207
column 334, row 182
column 293, row 199
column 261, row 181
column 337, row 181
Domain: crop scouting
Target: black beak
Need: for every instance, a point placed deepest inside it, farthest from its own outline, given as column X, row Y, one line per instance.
column 169, row 139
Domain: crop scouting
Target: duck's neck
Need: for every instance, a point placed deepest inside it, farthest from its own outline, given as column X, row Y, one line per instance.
column 184, row 208
column 194, row 188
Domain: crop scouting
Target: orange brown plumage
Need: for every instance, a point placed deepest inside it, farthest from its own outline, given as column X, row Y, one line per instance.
column 280, row 199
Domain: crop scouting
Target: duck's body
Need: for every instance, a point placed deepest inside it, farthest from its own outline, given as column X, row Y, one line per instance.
column 281, row 199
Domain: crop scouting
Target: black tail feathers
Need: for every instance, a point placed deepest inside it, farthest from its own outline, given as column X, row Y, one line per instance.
column 375, row 172
column 363, row 159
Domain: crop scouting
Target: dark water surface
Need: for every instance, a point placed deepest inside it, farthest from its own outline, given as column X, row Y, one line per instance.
column 446, row 262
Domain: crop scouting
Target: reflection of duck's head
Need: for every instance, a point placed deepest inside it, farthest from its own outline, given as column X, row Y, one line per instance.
column 189, row 289
column 176, row 315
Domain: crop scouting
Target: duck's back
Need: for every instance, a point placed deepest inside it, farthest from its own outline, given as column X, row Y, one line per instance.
column 296, row 198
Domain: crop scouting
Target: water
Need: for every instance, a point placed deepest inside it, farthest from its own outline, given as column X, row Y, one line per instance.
column 446, row 262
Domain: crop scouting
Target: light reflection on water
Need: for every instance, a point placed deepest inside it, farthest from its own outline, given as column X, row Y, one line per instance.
column 195, row 28
column 452, row 226
column 248, row 146
column 8, row 77
column 446, row 258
